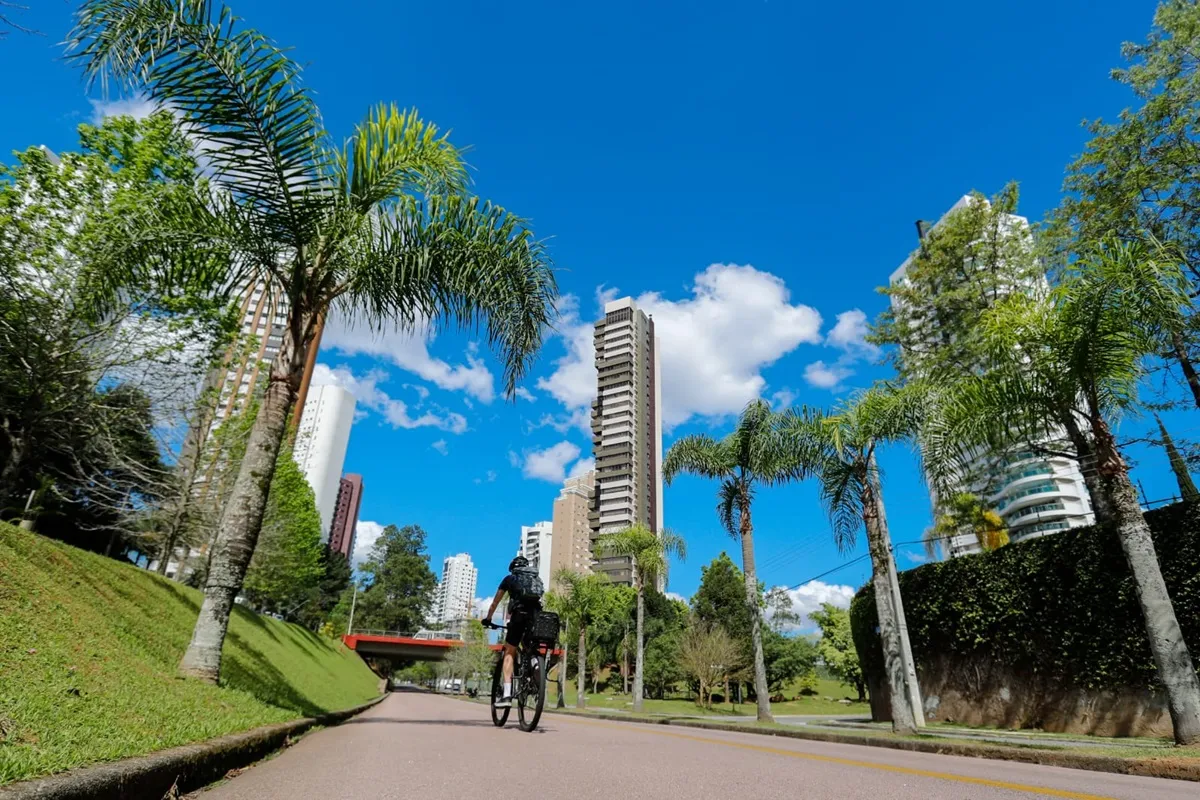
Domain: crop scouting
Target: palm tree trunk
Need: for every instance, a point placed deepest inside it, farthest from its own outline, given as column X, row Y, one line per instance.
column 637, row 673
column 1175, row 666
column 760, row 668
column 562, row 673
column 889, row 629
column 242, row 517
column 1185, row 363
column 581, row 668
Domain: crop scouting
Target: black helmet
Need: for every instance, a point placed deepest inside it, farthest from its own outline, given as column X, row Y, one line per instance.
column 520, row 562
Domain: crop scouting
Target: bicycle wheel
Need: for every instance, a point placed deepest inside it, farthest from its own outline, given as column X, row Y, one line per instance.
column 533, row 694
column 499, row 715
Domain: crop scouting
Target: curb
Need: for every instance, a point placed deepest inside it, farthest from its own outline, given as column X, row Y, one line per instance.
column 1167, row 766
column 182, row 769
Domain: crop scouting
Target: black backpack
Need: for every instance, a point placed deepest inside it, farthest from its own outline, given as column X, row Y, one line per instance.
column 528, row 589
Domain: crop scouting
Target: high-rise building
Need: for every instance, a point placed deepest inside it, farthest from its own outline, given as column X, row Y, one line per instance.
column 572, row 532
column 1034, row 487
column 321, row 440
column 264, row 319
column 455, row 594
column 537, row 545
column 345, row 514
column 626, row 430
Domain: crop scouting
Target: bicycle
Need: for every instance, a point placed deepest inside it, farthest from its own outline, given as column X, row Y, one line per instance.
column 529, row 673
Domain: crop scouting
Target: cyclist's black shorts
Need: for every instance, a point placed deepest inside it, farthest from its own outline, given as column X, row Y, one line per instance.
column 518, row 624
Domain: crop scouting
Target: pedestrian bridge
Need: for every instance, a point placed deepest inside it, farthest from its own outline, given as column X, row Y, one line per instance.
column 420, row 646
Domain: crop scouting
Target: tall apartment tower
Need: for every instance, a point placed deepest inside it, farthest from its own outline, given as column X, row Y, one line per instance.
column 455, row 593
column 321, row 441
column 572, row 531
column 1035, row 493
column 345, row 514
column 538, row 545
column 626, row 430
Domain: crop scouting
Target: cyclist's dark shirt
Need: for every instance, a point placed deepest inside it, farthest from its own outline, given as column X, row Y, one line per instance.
column 510, row 586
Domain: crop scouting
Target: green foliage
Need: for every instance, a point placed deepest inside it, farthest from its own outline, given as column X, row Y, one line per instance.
column 721, row 598
column 398, row 582
column 89, row 647
column 1063, row 607
column 649, row 551
column 836, row 647
column 325, row 596
column 787, row 658
column 287, row 565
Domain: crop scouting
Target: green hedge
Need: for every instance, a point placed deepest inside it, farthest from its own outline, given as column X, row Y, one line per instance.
column 1062, row 606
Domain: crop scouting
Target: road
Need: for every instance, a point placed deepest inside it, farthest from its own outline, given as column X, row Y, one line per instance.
column 430, row 747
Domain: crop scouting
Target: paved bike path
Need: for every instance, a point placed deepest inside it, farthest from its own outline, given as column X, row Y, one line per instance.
column 416, row 745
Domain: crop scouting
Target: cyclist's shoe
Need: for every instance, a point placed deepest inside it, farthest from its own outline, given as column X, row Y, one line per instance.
column 504, row 702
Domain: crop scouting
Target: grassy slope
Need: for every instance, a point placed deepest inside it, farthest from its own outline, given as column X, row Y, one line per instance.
column 816, row 704
column 88, row 650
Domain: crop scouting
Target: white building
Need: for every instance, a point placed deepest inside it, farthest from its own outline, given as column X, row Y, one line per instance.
column 537, row 544
column 455, row 594
column 321, row 441
column 1033, row 492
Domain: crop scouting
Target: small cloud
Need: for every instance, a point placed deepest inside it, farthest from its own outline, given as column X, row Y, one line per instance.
column 809, row 597
column 850, row 334
column 513, row 458
column 138, row 107
column 582, row 467
column 676, row 596
column 365, row 534
column 782, row 399
column 826, row 376
column 550, row 464
column 606, row 294
column 490, row 477
column 421, row 391
column 467, row 402
column 915, row 557
column 525, row 394
column 440, row 446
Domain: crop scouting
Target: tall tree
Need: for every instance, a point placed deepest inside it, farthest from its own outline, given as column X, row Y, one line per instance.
column 753, row 455
column 836, row 647
column 840, row 448
column 335, row 579
column 399, row 582
column 1187, row 487
column 964, row 513
column 582, row 602
column 380, row 226
column 1089, row 342
column 649, row 553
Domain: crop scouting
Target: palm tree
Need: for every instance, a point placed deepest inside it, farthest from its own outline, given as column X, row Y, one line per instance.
column 378, row 226
column 966, row 513
column 753, row 455
column 649, row 552
column 581, row 602
column 1090, row 340
column 840, row 449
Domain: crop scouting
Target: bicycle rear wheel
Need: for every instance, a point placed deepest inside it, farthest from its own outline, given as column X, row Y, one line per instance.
column 532, row 697
column 499, row 715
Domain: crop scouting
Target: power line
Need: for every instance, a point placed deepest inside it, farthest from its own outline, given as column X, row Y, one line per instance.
column 851, row 562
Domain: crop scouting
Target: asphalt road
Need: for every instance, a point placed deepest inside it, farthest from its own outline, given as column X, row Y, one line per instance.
column 423, row 746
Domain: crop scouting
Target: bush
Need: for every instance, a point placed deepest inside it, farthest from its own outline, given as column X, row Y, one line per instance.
column 1062, row 606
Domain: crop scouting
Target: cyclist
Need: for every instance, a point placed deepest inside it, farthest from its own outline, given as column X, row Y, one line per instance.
column 524, row 589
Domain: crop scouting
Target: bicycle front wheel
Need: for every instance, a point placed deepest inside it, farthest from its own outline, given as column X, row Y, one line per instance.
column 499, row 715
column 533, row 694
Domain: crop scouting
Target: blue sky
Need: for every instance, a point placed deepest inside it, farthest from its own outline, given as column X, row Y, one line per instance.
column 751, row 170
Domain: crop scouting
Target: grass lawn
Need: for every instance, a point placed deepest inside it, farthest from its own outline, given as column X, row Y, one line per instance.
column 88, row 651
column 817, row 704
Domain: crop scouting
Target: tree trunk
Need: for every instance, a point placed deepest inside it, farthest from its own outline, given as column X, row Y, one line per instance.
column 581, row 668
column 902, row 716
column 638, row 658
column 861, row 688
column 760, row 668
column 1187, row 487
column 912, row 687
column 562, row 673
column 242, row 517
column 1175, row 666
column 1085, row 452
column 1185, row 363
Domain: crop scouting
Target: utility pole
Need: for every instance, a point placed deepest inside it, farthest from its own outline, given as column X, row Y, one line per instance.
column 353, row 601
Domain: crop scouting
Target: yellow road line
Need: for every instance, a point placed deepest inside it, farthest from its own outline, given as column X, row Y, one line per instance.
column 849, row 762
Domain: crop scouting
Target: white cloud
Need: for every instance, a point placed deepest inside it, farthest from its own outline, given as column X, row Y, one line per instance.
column 490, row 477
column 421, row 391
column 551, row 464
column 713, row 345
column 782, row 399
column 365, row 534
column 366, row 391
column 479, row 606
column 513, row 458
column 676, row 596
column 525, row 394
column 440, row 446
column 410, row 351
column 809, row 597
column 582, row 467
column 826, row 376
column 138, row 107
column 580, row 419
column 850, row 333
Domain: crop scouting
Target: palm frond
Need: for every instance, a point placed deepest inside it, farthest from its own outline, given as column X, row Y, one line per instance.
column 231, row 88
column 729, row 507
column 842, row 486
column 698, row 455
column 454, row 261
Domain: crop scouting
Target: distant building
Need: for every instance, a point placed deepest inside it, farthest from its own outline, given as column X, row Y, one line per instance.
column 537, row 544
column 345, row 514
column 626, row 430
column 454, row 597
column 321, row 441
column 572, row 532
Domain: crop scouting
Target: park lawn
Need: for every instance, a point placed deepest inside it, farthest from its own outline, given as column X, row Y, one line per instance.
column 683, row 706
column 88, row 651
